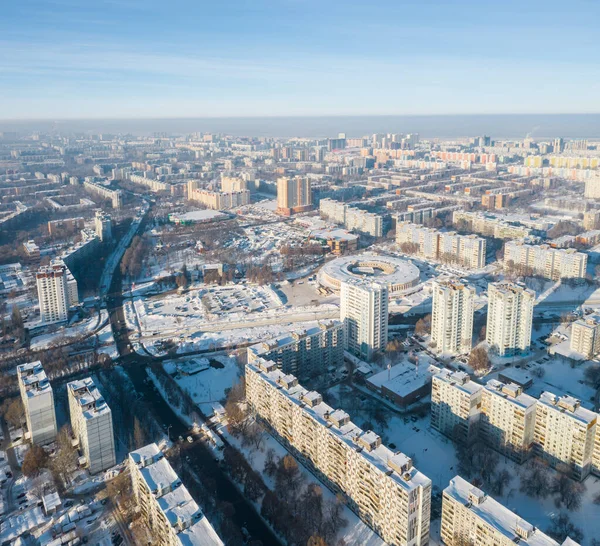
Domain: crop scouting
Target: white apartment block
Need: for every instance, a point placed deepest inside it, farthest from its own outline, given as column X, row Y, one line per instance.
column 382, row 486
column 115, row 196
column 466, row 250
column 333, row 210
column 364, row 312
column 469, row 516
column 452, row 316
column 38, row 402
column 91, row 421
column 565, row 433
column 509, row 317
column 57, row 292
column 507, row 420
column 217, row 200
column 585, row 336
column 551, row 263
column 103, row 225
column 495, row 226
column 455, row 405
column 365, row 222
column 592, row 188
column 173, row 516
column 304, row 353
column 233, row 184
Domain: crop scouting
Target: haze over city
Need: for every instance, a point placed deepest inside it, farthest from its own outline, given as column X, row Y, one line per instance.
column 299, row 273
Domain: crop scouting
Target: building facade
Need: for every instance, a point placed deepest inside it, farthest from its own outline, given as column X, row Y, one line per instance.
column 585, row 336
column 364, row 313
column 103, row 225
column 294, row 194
column 452, row 317
column 470, row 517
column 509, row 317
column 173, row 516
column 304, row 353
column 57, row 292
column 383, row 487
column 38, row 402
column 543, row 260
column 91, row 421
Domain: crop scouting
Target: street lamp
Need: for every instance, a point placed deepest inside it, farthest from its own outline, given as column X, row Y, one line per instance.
column 169, row 433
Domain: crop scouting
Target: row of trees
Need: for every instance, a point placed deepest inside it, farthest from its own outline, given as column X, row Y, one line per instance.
column 131, row 263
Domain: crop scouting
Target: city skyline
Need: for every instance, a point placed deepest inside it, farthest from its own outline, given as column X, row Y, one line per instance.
column 66, row 60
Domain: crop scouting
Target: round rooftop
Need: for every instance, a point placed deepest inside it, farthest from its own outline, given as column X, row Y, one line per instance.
column 399, row 275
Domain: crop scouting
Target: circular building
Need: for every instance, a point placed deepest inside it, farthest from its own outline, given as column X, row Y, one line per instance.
column 399, row 275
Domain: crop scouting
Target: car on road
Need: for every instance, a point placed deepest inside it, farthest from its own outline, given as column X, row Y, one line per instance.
column 190, row 439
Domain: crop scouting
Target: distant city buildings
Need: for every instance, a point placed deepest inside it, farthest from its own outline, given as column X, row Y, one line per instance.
column 91, row 421
column 509, row 317
column 304, row 353
column 452, row 316
column 364, row 312
column 57, row 292
column 38, row 403
column 115, row 196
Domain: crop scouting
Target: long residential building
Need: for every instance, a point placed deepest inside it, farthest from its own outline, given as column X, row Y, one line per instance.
column 304, row 353
column 456, row 405
column 500, row 226
column 115, row 196
column 448, row 246
column 382, row 486
column 173, row 516
column 543, row 260
column 509, row 317
column 38, row 402
column 57, row 292
column 585, row 335
column 364, row 313
column 353, row 219
column 91, row 421
column 469, row 516
column 452, row 316
column 217, row 200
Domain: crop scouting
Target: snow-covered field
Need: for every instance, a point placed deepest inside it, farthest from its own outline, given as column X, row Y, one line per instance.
column 77, row 329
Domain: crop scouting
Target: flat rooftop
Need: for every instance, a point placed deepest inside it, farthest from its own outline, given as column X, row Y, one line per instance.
column 88, row 397
column 34, row 379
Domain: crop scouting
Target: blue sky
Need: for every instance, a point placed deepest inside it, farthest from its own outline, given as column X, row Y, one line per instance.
column 176, row 58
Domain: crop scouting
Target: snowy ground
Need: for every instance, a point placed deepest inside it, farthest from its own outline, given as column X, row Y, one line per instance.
column 208, row 386
column 77, row 329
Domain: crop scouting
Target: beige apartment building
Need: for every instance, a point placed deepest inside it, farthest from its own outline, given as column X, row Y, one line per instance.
column 507, row 419
column 293, row 195
column 382, row 486
column 509, row 317
column 543, row 260
column 456, row 405
column 217, row 200
column 173, row 516
column 565, row 433
column 452, row 316
column 231, row 184
column 57, row 292
column 470, row 517
column 585, row 336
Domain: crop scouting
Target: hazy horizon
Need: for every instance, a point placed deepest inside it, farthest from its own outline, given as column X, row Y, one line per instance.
column 428, row 126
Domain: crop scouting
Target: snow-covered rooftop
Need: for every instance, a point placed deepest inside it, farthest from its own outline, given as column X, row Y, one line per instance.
column 511, row 392
column 568, row 405
column 88, row 397
column 459, row 380
column 33, row 377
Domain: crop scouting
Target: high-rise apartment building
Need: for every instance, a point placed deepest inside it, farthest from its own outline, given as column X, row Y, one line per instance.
column 38, row 402
column 57, row 291
column 294, row 194
column 591, row 219
column 382, row 486
column 91, row 421
column 592, row 187
column 507, row 419
column 509, row 317
column 364, row 312
column 361, row 221
column 233, row 184
column 103, row 225
column 585, row 336
column 543, row 260
column 565, row 433
column 469, row 516
column 455, row 405
column 304, row 353
column 173, row 516
column 452, row 316
column 217, row 200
